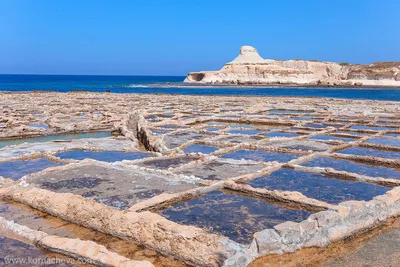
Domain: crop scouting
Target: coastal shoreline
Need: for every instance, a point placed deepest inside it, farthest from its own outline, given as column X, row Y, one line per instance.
column 279, row 86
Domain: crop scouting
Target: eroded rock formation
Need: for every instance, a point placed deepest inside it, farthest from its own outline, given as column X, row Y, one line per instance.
column 249, row 68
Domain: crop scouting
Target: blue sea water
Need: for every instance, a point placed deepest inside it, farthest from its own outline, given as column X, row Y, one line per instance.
column 146, row 84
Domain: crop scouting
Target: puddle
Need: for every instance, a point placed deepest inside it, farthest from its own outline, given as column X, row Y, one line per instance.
column 107, row 156
column 165, row 163
column 318, row 186
column 364, row 127
column 384, row 141
column 221, row 169
column 17, row 169
column 370, row 152
column 280, row 134
column 247, row 132
column 350, row 166
column 232, row 215
column 330, row 137
column 48, row 138
column 196, row 148
column 261, row 155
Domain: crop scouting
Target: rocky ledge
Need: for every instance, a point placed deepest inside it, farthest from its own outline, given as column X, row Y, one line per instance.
column 249, row 68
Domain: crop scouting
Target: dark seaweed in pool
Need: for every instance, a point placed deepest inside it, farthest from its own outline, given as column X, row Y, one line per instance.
column 166, row 163
column 73, row 183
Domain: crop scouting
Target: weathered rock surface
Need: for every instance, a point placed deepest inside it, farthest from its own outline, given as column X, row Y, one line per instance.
column 251, row 69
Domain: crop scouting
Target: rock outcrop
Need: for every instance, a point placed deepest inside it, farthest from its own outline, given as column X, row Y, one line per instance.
column 249, row 68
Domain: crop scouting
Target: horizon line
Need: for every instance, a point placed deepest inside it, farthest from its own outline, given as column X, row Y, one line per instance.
column 58, row 74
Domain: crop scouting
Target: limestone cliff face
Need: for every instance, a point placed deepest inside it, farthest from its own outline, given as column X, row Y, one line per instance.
column 249, row 68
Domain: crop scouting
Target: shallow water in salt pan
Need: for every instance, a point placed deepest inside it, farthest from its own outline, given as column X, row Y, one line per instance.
column 360, row 151
column 17, row 169
column 165, row 163
column 260, row 155
column 196, row 148
column 235, row 216
column 48, row 138
column 247, row 132
column 318, row 186
column 107, row 156
column 364, row 127
column 280, row 134
column 385, row 141
column 354, row 167
column 330, row 137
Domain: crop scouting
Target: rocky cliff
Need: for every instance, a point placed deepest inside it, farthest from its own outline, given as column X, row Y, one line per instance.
column 249, row 68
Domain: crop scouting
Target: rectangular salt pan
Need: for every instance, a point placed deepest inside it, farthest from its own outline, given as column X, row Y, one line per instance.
column 17, row 169
column 261, row 155
column 354, row 167
column 107, row 156
column 235, row 216
column 360, row 151
column 318, row 186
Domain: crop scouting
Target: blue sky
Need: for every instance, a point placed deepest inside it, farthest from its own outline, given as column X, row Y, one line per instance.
column 168, row 37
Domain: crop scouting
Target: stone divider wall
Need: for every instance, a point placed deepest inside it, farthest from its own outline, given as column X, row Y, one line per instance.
column 86, row 251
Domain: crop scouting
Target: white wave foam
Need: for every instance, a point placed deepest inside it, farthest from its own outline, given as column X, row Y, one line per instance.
column 136, row 85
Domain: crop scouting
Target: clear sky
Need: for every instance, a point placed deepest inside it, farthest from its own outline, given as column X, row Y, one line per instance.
column 171, row 37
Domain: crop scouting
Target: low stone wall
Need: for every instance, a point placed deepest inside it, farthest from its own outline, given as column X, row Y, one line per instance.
column 187, row 243
column 88, row 251
column 321, row 229
column 135, row 128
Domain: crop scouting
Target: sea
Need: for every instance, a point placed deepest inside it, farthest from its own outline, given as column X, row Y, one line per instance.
column 171, row 85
